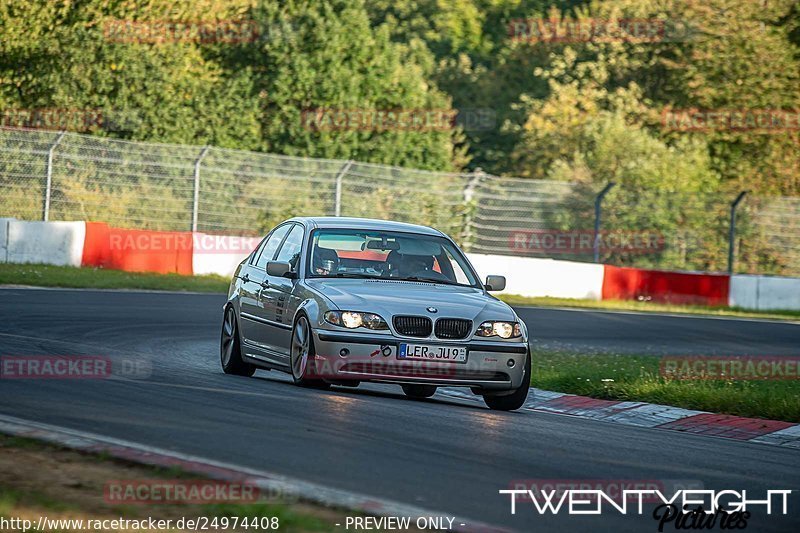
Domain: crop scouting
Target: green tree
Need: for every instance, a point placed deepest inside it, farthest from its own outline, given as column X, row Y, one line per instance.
column 167, row 91
column 247, row 94
column 325, row 54
column 663, row 191
column 730, row 56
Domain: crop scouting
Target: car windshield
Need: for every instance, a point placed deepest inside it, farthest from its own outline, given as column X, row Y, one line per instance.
column 388, row 255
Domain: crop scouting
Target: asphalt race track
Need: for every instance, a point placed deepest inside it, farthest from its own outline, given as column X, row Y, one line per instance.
column 588, row 331
column 447, row 455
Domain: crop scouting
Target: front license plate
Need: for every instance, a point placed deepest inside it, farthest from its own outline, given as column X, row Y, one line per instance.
column 451, row 354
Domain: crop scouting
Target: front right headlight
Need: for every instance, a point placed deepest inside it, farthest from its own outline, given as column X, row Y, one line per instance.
column 504, row 330
column 355, row 320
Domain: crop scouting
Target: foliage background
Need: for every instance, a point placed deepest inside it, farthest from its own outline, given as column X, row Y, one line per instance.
column 584, row 112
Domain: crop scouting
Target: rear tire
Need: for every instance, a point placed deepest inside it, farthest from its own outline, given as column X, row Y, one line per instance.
column 419, row 391
column 230, row 347
column 302, row 356
column 516, row 399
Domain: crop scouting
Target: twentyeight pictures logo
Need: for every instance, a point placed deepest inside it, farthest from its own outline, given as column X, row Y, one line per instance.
column 683, row 509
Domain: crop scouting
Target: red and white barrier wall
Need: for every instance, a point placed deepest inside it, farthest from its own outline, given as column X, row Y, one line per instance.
column 137, row 250
column 100, row 245
column 220, row 254
column 764, row 292
column 621, row 283
column 528, row 276
column 53, row 243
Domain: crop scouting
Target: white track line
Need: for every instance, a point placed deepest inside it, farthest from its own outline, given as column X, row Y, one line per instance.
column 519, row 306
column 636, row 414
column 102, row 289
column 669, row 314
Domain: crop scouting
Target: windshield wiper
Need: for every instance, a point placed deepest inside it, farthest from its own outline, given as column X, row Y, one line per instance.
column 354, row 275
column 427, row 280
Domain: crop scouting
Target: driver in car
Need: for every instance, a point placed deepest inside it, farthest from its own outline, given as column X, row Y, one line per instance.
column 325, row 261
column 404, row 265
column 417, row 265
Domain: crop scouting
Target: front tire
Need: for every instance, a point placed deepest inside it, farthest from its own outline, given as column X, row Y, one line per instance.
column 419, row 391
column 230, row 347
column 516, row 399
column 302, row 355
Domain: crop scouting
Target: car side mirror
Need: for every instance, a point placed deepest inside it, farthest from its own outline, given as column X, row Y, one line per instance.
column 495, row 283
column 280, row 269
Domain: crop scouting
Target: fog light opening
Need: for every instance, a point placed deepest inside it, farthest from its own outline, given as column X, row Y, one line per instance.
column 511, row 363
column 344, row 352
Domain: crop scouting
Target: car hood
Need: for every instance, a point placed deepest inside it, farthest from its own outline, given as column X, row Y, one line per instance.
column 388, row 298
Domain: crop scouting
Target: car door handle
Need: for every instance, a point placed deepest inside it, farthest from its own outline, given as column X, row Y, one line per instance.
column 246, row 278
column 265, row 284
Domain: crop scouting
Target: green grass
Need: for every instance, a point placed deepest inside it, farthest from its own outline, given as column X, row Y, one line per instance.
column 99, row 278
column 11, row 497
column 632, row 305
column 303, row 517
column 288, row 518
column 637, row 378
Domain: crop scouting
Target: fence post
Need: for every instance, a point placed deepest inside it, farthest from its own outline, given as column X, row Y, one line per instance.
column 196, row 201
column 598, row 200
column 469, row 194
column 337, row 205
column 732, row 231
column 48, row 189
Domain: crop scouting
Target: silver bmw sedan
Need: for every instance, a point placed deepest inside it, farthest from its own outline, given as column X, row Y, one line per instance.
column 340, row 301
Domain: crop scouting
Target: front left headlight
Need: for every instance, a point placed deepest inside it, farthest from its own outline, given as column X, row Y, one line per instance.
column 355, row 320
column 504, row 330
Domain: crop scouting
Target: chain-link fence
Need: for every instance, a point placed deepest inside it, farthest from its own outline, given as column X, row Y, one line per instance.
column 57, row 176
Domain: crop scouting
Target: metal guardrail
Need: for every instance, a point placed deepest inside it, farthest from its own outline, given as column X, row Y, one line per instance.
column 48, row 175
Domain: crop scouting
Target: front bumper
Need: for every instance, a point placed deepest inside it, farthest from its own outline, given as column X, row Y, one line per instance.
column 345, row 356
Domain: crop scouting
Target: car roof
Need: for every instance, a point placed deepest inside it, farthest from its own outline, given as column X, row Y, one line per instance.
column 365, row 224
